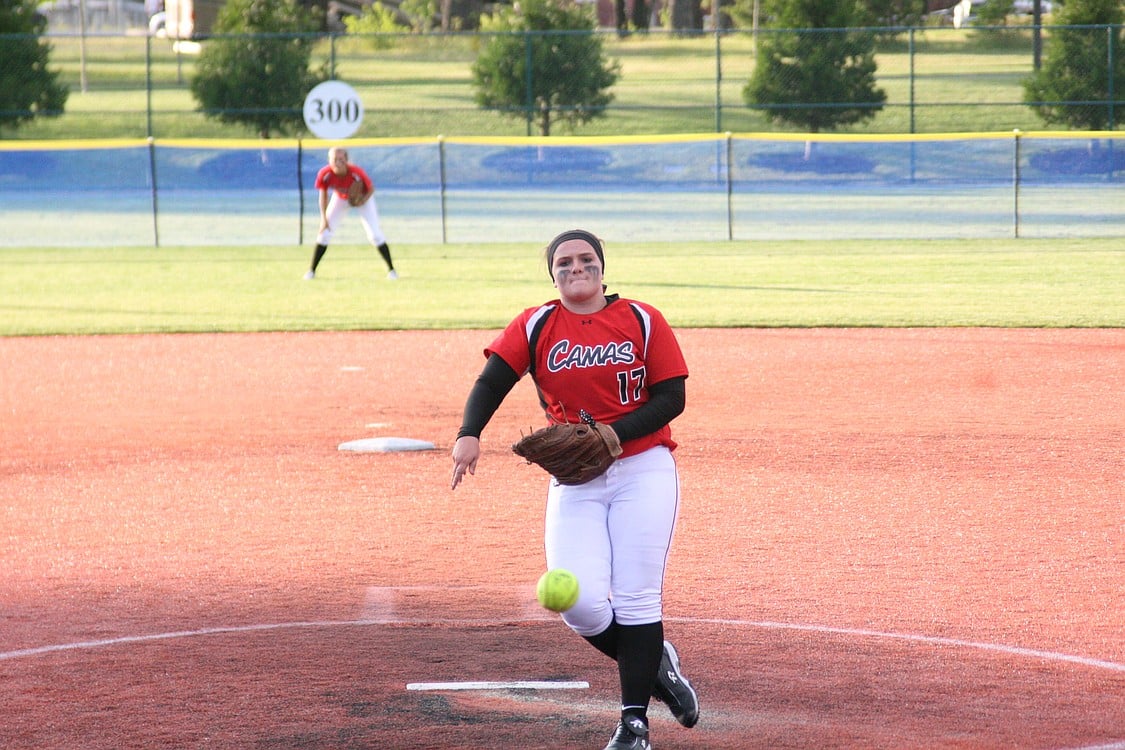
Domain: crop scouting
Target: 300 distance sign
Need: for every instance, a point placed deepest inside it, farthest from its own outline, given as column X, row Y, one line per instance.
column 333, row 110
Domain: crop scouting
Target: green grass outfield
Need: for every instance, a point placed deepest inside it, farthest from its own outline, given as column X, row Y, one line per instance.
column 1003, row 283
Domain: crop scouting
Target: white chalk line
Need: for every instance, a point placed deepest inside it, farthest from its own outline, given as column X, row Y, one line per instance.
column 915, row 638
column 766, row 625
column 129, row 639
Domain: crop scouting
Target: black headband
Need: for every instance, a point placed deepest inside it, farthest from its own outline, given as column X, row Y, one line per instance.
column 574, row 234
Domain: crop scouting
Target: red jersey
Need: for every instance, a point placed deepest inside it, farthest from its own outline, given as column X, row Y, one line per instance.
column 326, row 179
column 602, row 362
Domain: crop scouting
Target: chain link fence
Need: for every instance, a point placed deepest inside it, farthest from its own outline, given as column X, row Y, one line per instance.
column 135, row 84
column 652, row 188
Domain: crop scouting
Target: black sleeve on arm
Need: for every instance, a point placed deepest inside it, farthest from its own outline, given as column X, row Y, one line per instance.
column 495, row 382
column 665, row 402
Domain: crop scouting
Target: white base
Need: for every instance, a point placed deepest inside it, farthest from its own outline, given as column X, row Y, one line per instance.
column 386, row 445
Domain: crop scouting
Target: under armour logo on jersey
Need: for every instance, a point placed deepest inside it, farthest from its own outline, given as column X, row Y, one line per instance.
column 564, row 356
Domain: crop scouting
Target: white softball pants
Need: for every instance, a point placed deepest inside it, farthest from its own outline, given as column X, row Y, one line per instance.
column 614, row 533
column 368, row 216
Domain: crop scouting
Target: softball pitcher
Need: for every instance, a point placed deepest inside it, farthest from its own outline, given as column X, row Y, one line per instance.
column 619, row 361
column 333, row 181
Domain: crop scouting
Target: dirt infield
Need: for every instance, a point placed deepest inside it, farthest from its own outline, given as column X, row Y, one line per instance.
column 889, row 538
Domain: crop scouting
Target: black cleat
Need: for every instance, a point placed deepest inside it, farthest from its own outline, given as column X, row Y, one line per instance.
column 631, row 734
column 674, row 690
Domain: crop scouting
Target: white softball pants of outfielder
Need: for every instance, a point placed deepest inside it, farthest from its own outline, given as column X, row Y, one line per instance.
column 614, row 533
column 368, row 216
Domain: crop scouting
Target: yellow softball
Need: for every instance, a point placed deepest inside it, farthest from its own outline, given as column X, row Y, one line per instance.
column 557, row 590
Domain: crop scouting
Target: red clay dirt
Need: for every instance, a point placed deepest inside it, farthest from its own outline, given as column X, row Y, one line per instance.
column 894, row 538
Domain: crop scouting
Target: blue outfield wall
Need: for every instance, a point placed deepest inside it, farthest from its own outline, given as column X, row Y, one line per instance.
column 660, row 188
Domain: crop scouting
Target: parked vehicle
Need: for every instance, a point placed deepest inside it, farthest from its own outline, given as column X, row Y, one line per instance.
column 187, row 19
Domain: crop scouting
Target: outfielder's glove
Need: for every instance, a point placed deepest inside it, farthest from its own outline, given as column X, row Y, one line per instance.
column 571, row 453
column 356, row 191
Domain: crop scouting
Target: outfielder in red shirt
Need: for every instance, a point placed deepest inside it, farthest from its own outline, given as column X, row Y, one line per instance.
column 333, row 181
column 618, row 360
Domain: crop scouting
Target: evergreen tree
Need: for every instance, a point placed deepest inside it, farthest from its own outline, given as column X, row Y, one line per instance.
column 1077, row 68
column 255, row 70
column 811, row 72
column 569, row 75
column 28, row 89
